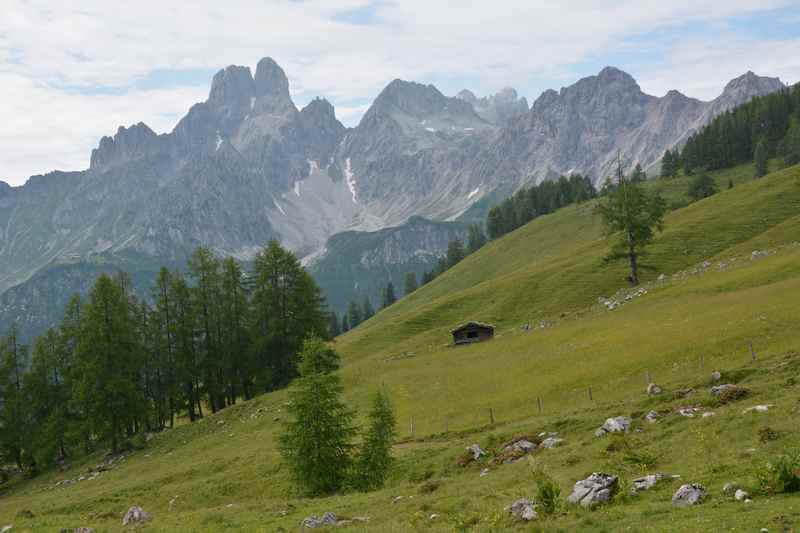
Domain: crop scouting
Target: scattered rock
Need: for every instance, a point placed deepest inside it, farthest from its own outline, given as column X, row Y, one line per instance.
column 688, row 411
column 6, row 529
column 652, row 417
column 716, row 375
column 708, row 414
column 135, row 514
column 719, row 389
column 476, row 451
column 595, row 489
column 520, row 445
column 523, row 510
column 741, row 495
column 396, row 499
column 327, row 519
column 647, row 482
column 662, row 277
column 618, row 424
column 485, row 472
column 689, row 495
column 757, row 409
column 551, row 442
column 653, row 389
column 729, row 489
column 434, row 516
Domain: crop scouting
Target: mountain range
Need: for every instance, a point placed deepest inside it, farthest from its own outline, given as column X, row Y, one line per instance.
column 247, row 165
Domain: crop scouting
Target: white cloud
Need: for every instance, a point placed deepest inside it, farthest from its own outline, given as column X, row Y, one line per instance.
column 49, row 51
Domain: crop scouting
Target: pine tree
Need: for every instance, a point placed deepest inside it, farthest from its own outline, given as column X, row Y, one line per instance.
column 367, row 311
column 455, row 253
column 410, row 283
column 13, row 410
column 334, row 326
column 669, row 165
column 375, row 459
column 634, row 215
column 760, row 158
column 476, row 238
column 638, row 175
column 234, row 340
column 354, row 316
column 106, row 363
column 345, row 323
column 316, row 442
column 702, row 186
column 388, row 295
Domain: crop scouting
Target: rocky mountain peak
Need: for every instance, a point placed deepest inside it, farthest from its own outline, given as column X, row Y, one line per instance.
column 319, row 110
column 270, row 79
column 126, row 145
column 232, row 87
column 498, row 109
column 467, row 96
column 5, row 188
column 613, row 79
column 750, row 83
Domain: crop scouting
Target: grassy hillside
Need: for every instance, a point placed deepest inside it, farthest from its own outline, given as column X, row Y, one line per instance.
column 715, row 300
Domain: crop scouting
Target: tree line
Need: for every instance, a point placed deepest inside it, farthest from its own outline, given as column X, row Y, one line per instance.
column 537, row 200
column 767, row 126
column 118, row 366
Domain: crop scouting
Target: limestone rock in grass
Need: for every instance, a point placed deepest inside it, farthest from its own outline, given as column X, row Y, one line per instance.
column 741, row 495
column 690, row 494
column 79, row 530
column 327, row 519
column 551, row 442
column 135, row 514
column 716, row 375
column 647, row 482
column 476, row 451
column 619, row 424
column 652, row 417
column 757, row 409
column 520, row 445
column 6, row 529
column 522, row 509
column 729, row 489
column 719, row 389
column 594, row 490
column 653, row 389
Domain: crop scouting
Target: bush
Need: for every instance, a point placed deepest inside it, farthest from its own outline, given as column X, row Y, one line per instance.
column 733, row 394
column 782, row 474
column 548, row 492
column 375, row 457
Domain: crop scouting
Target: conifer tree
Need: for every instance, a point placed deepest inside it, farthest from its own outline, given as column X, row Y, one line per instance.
column 375, row 459
column 388, row 295
column 238, row 368
column 334, row 326
column 476, row 238
column 367, row 311
column 760, row 158
column 13, row 416
column 638, row 175
column 702, row 186
column 634, row 215
column 455, row 253
column 345, row 323
column 354, row 316
column 316, row 442
column 410, row 283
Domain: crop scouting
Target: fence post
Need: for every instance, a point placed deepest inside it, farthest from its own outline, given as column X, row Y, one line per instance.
column 590, row 392
column 701, row 362
column 539, row 401
column 752, row 352
column 412, row 426
column 491, row 416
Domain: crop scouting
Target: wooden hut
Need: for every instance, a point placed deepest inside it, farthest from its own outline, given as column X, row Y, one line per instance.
column 472, row 332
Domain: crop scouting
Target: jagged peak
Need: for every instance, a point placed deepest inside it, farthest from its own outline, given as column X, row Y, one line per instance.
column 270, row 79
column 231, row 85
column 614, row 75
column 751, row 79
column 467, row 96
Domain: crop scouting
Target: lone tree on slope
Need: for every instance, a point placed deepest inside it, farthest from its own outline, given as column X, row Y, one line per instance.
column 634, row 215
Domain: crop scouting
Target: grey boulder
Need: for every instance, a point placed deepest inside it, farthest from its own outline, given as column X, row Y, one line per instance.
column 135, row 514
column 689, row 494
column 619, row 424
column 476, row 451
column 327, row 519
column 523, row 510
column 594, row 490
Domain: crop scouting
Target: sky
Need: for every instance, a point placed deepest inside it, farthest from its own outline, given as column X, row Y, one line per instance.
column 72, row 72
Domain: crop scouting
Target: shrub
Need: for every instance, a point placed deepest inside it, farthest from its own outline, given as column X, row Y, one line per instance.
column 782, row 474
column 548, row 492
column 767, row 434
column 375, row 458
column 733, row 394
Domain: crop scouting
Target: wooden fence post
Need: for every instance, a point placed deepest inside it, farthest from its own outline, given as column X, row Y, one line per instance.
column 590, row 392
column 491, row 416
column 412, row 426
column 539, row 401
column 752, row 352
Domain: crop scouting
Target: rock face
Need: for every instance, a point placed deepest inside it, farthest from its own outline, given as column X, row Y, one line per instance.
column 246, row 166
column 134, row 515
column 523, row 509
column 594, row 490
column 476, row 451
column 689, row 495
column 619, row 424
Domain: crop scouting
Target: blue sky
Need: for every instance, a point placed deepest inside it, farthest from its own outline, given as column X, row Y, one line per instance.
column 71, row 75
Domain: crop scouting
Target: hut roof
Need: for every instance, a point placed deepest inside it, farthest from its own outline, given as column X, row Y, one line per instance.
column 472, row 324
